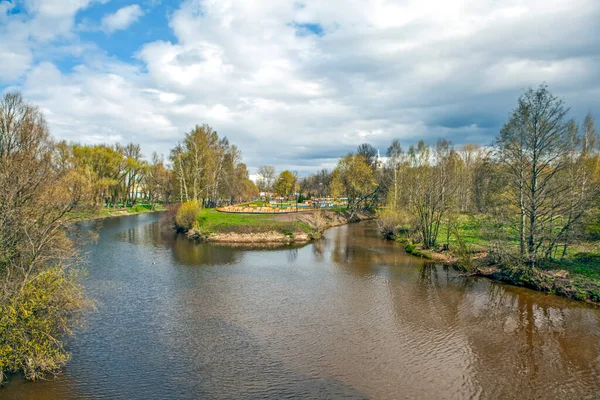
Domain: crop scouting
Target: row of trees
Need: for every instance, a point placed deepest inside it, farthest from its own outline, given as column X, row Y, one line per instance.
column 354, row 178
column 537, row 184
column 539, row 181
column 117, row 175
column 203, row 167
column 208, row 169
column 43, row 183
column 286, row 184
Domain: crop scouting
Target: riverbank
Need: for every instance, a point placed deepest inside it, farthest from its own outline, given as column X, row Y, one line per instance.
column 213, row 226
column 94, row 213
column 576, row 276
column 354, row 287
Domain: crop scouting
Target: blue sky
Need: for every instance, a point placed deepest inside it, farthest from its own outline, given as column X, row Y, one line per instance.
column 295, row 84
column 122, row 44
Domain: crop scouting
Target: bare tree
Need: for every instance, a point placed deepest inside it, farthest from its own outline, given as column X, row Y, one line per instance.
column 395, row 156
column 430, row 187
column 39, row 297
column 532, row 147
column 368, row 154
column 582, row 185
column 266, row 178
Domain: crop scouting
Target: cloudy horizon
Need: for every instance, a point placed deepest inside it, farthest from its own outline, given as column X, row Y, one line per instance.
column 295, row 84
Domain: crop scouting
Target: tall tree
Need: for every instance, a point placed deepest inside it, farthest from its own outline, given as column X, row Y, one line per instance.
column 395, row 155
column 471, row 157
column 430, row 187
column 532, row 147
column 157, row 181
column 368, row 153
column 353, row 177
column 40, row 297
column 285, row 183
column 133, row 173
column 266, row 178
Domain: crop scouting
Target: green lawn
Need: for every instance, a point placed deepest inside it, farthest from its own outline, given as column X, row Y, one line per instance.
column 468, row 229
column 582, row 259
column 212, row 221
column 582, row 264
column 336, row 209
column 105, row 212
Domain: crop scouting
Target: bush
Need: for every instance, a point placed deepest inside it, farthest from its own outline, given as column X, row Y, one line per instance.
column 391, row 222
column 32, row 322
column 185, row 219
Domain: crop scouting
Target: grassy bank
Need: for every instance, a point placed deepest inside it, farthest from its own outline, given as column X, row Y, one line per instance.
column 210, row 221
column 213, row 226
column 90, row 213
column 576, row 276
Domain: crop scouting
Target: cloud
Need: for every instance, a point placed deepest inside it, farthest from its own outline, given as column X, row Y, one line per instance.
column 297, row 85
column 121, row 19
column 27, row 33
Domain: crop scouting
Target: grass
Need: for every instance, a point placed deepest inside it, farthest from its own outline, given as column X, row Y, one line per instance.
column 212, row 221
column 579, row 264
column 582, row 260
column 473, row 230
column 415, row 251
column 105, row 212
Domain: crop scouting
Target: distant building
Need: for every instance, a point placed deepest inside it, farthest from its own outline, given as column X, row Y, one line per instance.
column 267, row 194
column 379, row 160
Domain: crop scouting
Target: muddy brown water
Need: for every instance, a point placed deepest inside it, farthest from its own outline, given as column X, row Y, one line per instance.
column 350, row 316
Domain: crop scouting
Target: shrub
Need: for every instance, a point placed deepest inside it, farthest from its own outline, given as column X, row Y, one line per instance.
column 185, row 219
column 319, row 221
column 32, row 322
column 391, row 222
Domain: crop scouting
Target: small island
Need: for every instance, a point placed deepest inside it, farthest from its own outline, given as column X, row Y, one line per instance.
column 259, row 223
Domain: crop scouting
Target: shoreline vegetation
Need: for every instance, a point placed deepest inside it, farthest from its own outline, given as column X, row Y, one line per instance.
column 576, row 276
column 210, row 225
column 96, row 213
column 524, row 210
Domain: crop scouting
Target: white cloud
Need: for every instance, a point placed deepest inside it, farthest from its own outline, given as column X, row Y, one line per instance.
column 377, row 70
column 23, row 36
column 121, row 19
column 15, row 61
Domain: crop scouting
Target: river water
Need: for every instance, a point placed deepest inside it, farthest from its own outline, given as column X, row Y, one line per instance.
column 349, row 316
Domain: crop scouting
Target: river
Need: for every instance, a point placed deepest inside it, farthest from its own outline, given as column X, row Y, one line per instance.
column 349, row 316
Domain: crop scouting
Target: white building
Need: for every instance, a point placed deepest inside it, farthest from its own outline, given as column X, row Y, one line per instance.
column 379, row 160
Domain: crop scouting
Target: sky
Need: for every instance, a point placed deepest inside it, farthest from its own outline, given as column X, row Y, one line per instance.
column 296, row 84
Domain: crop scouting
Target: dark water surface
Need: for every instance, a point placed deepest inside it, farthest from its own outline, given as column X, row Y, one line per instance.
column 350, row 316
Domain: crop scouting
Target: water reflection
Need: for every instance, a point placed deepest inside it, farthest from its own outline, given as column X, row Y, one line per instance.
column 348, row 316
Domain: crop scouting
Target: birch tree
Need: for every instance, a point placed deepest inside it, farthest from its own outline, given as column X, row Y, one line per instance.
column 532, row 147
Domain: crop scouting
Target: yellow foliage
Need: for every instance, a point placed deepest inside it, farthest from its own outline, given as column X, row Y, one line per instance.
column 33, row 322
column 187, row 214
